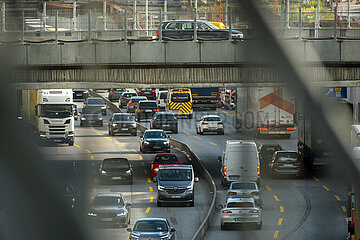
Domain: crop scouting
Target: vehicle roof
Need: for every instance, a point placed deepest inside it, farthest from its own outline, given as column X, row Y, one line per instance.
column 243, row 181
column 154, row 130
column 165, row 154
column 116, row 160
column 148, row 101
column 175, row 166
column 165, row 113
column 211, row 116
column 161, row 91
column 141, row 97
column 233, row 142
column 235, row 199
column 184, row 20
column 286, row 152
column 155, row 219
column 108, row 195
column 121, row 114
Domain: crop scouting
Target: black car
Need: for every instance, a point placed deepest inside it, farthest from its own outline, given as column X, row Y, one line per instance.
column 152, row 228
column 125, row 98
column 109, row 208
column 122, row 123
column 286, row 163
column 116, row 170
column 70, row 195
column 266, row 152
column 115, row 93
column 96, row 102
column 146, row 110
column 154, row 140
column 80, row 94
column 184, row 29
column 91, row 116
column 134, row 101
column 164, row 120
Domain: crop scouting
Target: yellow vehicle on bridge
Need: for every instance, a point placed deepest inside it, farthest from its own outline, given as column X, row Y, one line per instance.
column 179, row 102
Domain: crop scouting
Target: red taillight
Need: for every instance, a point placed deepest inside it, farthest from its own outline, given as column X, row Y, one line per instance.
column 260, row 157
column 112, row 93
column 157, row 110
column 216, row 101
column 262, row 129
column 258, row 170
column 231, row 193
column 298, row 163
column 225, row 174
column 255, row 193
column 139, row 110
column 277, row 164
column 158, row 32
column 254, row 211
column 226, row 211
column 130, row 103
column 204, row 123
column 290, row 129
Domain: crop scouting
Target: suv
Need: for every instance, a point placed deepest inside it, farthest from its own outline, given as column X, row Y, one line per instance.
column 125, row 98
column 132, row 105
column 91, row 116
column 146, row 110
column 164, row 120
column 152, row 228
column 286, row 163
column 96, row 102
column 266, row 152
column 175, row 183
column 115, row 93
column 122, row 123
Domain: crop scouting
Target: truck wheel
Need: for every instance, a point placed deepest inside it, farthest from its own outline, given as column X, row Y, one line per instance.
column 190, row 116
column 71, row 143
column 81, row 124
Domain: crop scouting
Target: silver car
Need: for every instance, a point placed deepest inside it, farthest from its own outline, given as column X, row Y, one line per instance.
column 241, row 210
column 246, row 189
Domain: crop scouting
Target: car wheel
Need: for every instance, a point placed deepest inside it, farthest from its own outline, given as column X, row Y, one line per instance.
column 111, row 133
column 71, row 143
column 222, row 226
column 159, row 204
column 190, row 116
column 134, row 133
column 201, row 133
column 222, row 133
column 192, row 203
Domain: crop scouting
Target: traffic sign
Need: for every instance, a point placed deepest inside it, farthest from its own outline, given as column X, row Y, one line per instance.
column 335, row 92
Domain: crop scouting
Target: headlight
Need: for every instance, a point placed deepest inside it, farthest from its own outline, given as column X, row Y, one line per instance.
column 161, row 188
column 128, row 172
column 165, row 237
column 100, row 118
column 134, row 236
column 83, row 118
column 121, row 214
column 133, row 124
column 73, row 200
column 146, row 143
column 103, row 172
column 166, row 143
column 189, row 187
column 156, row 169
column 92, row 214
column 114, row 125
column 103, row 107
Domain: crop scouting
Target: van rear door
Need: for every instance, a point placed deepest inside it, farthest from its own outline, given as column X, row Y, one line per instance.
column 242, row 163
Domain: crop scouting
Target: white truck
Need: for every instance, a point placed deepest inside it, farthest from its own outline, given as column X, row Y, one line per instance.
column 54, row 116
column 265, row 111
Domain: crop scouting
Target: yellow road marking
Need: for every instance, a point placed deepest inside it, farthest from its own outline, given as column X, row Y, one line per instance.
column 226, row 112
column 92, row 157
column 150, row 189
column 94, row 189
column 337, row 197
column 316, row 179
column 151, row 199
column 93, row 129
column 281, row 209
column 147, row 210
column 140, row 157
column 213, row 143
column 228, row 132
column 268, row 188
column 326, row 188
column 320, row 164
column 88, row 151
column 343, row 208
column 280, row 221
column 121, row 144
column 276, row 198
column 76, row 145
column 187, row 133
column 276, row 234
column 233, row 115
column 108, row 139
column 133, row 150
column 98, row 133
column 347, row 220
column 196, row 137
column 149, row 180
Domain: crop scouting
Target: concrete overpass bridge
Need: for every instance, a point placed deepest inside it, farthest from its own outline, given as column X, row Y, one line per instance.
column 171, row 64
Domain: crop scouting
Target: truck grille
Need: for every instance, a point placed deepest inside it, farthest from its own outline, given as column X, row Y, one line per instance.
column 56, row 130
column 177, row 191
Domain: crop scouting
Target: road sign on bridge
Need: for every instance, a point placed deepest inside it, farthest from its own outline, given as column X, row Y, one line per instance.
column 335, row 92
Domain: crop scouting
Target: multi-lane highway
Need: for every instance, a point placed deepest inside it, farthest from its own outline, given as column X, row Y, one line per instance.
column 309, row 208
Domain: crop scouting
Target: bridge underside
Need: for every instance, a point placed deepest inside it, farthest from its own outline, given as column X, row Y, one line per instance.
column 177, row 75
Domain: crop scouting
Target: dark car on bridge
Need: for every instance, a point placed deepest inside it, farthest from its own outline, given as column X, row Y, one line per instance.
column 164, row 120
column 116, row 170
column 91, row 116
column 184, row 29
column 266, row 152
column 154, row 140
column 115, row 93
column 80, row 94
column 152, row 228
column 96, row 102
column 122, row 123
column 146, row 110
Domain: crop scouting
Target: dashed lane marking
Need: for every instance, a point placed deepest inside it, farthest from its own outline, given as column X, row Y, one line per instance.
column 93, row 129
column 228, row 132
column 92, row 157
column 151, row 189
column 76, row 145
column 151, row 199
column 187, row 133
column 347, row 220
column 149, row 180
column 337, row 197
column 280, row 221
column 133, row 150
column 196, row 137
column 276, row 234
column 281, row 208
column 108, row 139
column 316, row 179
column 213, row 143
column 227, row 113
column 276, row 198
column 267, row 187
column 87, row 150
column 147, row 210
column 326, row 188
column 98, row 133
column 140, row 157
column 343, row 209
column 121, row 144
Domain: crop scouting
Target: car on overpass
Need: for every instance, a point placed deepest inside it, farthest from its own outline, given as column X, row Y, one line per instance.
column 154, row 140
column 152, row 228
column 122, row 123
column 116, row 170
column 184, row 29
column 163, row 159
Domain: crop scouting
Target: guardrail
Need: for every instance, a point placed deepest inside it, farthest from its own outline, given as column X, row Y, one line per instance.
column 195, row 160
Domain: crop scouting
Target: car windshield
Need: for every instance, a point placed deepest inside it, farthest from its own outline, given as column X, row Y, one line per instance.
column 151, row 226
column 287, row 157
column 180, row 97
column 146, row 89
column 95, row 101
column 91, row 110
column 136, row 100
column 55, row 110
column 165, row 116
column 175, row 175
column 115, row 164
column 163, row 95
column 166, row 160
column 270, row 149
column 243, row 186
column 157, row 134
column 240, row 204
column 210, row 119
column 108, row 201
column 123, row 117
column 147, row 105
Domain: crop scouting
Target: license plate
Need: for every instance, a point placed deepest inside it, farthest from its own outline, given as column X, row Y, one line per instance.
column 288, row 165
column 148, row 110
column 175, row 196
column 116, row 178
column 57, row 140
column 166, row 125
column 125, row 129
column 106, row 219
column 157, row 147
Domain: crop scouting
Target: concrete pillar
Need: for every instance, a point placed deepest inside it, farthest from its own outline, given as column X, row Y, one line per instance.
column 104, row 15
column 147, row 16
column 3, row 13
column 287, row 14
column 29, row 100
column 74, row 17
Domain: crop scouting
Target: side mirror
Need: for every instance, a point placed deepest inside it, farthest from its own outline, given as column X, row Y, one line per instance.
column 169, row 136
column 128, row 204
column 129, row 230
column 219, row 158
column 221, row 206
column 196, row 179
column 154, row 179
column 172, row 229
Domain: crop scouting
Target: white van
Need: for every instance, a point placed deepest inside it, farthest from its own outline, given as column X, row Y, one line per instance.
column 161, row 99
column 239, row 161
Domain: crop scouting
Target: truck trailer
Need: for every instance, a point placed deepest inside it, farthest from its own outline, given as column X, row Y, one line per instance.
column 205, row 98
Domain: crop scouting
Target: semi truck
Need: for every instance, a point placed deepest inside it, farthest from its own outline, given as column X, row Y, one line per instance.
column 54, row 116
column 265, row 111
column 205, row 97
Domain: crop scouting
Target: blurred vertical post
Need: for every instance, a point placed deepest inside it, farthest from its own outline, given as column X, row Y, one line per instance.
column 165, row 9
column 22, row 26
column 226, row 14
column 287, row 14
column 56, row 27
column 135, row 18
column 147, row 16
column 195, row 25
column 348, row 13
column 230, row 27
column 104, row 14
column 43, row 19
column 335, row 22
column 125, row 25
column 160, row 27
column 89, row 26
column 317, row 19
column 74, row 16
column 3, row 12
column 300, row 22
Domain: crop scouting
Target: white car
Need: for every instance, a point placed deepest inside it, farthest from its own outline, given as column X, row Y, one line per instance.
column 210, row 123
column 241, row 210
column 248, row 189
column 161, row 99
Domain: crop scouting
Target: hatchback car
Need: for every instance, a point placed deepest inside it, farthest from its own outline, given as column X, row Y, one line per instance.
column 184, row 29
column 146, row 110
column 286, row 163
column 115, row 93
column 149, row 93
column 116, row 170
column 241, row 210
column 109, row 208
column 164, row 120
column 96, row 102
column 210, row 123
column 125, row 98
column 80, row 94
column 122, row 123
column 134, row 101
column 163, row 159
column 91, row 116
column 152, row 228
column 154, row 140
column 266, row 152
column 245, row 189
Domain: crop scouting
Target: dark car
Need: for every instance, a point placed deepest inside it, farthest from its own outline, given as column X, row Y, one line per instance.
column 91, row 116
column 152, row 228
column 184, row 29
column 149, row 93
column 116, row 170
column 164, row 120
column 134, row 101
column 122, row 123
column 154, row 140
column 70, row 195
column 266, row 152
column 115, row 93
column 125, row 98
column 146, row 110
column 80, row 94
column 286, row 163
column 109, row 208
column 96, row 102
